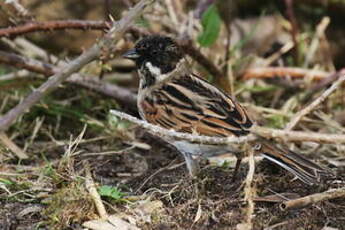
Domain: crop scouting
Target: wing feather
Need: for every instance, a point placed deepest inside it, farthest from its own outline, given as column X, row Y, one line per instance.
column 190, row 104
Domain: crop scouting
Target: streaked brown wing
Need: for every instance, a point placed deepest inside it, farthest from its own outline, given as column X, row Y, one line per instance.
column 190, row 104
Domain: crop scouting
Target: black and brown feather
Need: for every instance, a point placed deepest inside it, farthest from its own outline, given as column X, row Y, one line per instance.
column 189, row 104
column 171, row 96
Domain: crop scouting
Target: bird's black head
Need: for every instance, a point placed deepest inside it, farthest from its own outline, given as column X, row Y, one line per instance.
column 160, row 53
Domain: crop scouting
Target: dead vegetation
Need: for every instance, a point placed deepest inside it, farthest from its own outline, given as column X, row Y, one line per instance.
column 68, row 163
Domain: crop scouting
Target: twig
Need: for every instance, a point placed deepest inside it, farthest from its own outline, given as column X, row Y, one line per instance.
column 327, row 81
column 260, row 131
column 294, row 27
column 249, row 191
column 294, row 72
column 123, row 95
column 159, row 131
column 15, row 75
column 312, row 199
column 91, row 187
column 12, row 146
column 171, row 12
column 27, row 63
column 200, row 58
column 29, row 49
column 294, row 120
column 299, row 136
column 19, row 8
column 275, row 56
column 54, row 25
column 320, row 31
column 15, row 10
column 105, row 44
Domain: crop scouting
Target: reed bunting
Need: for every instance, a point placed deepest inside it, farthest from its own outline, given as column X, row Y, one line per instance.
column 171, row 96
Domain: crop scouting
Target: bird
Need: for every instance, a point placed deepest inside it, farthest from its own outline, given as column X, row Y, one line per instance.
column 171, row 96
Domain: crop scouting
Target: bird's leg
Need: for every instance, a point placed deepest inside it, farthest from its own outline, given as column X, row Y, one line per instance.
column 237, row 166
column 189, row 150
column 192, row 164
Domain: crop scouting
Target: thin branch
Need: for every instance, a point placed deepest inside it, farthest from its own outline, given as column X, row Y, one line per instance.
column 15, row 10
column 21, row 74
column 105, row 44
column 54, row 25
column 257, row 130
column 21, row 11
column 123, row 95
column 27, row 63
column 12, row 146
column 294, row 27
column 312, row 199
column 328, row 80
column 294, row 120
column 249, row 191
column 200, row 58
column 326, row 138
column 91, row 188
column 315, row 42
column 162, row 132
column 294, row 72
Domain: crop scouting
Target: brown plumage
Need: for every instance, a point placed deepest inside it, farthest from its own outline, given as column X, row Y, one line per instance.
column 188, row 104
column 171, row 96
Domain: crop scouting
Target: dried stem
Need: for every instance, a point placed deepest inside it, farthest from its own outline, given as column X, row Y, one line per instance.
column 294, row 120
column 200, row 58
column 15, row 10
column 123, row 95
column 294, row 27
column 27, row 63
column 328, row 80
column 91, row 187
column 162, row 132
column 54, row 25
column 260, row 131
column 294, row 72
column 15, row 75
column 106, row 43
column 12, row 146
column 326, row 138
column 249, row 191
column 320, row 32
column 312, row 199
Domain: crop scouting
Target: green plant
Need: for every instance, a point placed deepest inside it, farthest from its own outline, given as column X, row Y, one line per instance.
column 210, row 22
column 111, row 192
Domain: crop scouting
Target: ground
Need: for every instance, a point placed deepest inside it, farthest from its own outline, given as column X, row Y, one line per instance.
column 210, row 201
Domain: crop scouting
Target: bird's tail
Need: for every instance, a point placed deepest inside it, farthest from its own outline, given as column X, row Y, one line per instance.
column 306, row 170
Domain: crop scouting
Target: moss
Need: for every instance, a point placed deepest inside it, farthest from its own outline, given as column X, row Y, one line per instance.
column 68, row 205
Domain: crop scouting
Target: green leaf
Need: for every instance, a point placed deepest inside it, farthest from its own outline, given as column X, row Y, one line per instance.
column 210, row 22
column 6, row 182
column 111, row 192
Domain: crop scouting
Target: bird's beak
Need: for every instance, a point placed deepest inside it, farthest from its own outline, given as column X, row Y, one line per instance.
column 131, row 54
